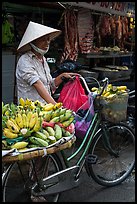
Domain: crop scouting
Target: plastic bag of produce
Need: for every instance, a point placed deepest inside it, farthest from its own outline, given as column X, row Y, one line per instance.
column 73, row 95
column 84, row 117
column 115, row 107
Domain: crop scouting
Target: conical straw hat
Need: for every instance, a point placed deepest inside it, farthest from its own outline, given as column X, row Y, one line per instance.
column 34, row 31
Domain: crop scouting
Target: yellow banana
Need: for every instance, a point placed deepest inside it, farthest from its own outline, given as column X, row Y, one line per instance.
column 29, row 114
column 19, row 145
column 37, row 103
column 22, row 102
column 48, row 107
column 19, row 120
column 32, row 106
column 33, row 120
column 28, row 102
column 9, row 134
column 12, row 126
column 57, row 105
column 24, row 118
column 37, row 125
column 122, row 88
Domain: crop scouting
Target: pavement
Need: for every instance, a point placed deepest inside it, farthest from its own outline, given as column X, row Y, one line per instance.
column 90, row 191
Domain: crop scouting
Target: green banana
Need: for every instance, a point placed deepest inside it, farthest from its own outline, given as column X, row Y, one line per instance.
column 40, row 135
column 5, row 108
column 33, row 145
column 56, row 119
column 38, row 141
column 50, row 131
column 13, row 108
column 62, row 111
column 65, row 133
column 68, row 122
column 55, row 113
column 66, row 116
column 47, row 115
column 52, row 139
column 45, row 132
column 58, row 132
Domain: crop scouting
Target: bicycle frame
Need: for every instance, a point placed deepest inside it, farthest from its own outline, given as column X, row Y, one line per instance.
column 91, row 131
column 69, row 177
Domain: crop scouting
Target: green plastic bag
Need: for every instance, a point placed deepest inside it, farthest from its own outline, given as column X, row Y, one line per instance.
column 7, row 34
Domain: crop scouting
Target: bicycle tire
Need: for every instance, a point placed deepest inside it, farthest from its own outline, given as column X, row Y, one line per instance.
column 131, row 116
column 17, row 187
column 110, row 170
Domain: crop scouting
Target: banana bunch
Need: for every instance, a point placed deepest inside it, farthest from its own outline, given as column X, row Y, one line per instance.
column 27, row 103
column 110, row 91
column 47, row 136
column 50, row 106
column 25, row 120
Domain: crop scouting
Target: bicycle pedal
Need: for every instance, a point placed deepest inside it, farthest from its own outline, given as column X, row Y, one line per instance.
column 91, row 159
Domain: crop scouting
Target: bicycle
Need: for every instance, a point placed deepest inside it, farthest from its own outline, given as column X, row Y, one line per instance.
column 131, row 110
column 107, row 152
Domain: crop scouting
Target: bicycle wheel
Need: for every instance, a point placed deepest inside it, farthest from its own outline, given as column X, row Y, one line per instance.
column 131, row 116
column 111, row 169
column 20, row 179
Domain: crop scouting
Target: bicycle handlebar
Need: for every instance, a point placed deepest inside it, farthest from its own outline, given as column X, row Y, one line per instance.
column 105, row 81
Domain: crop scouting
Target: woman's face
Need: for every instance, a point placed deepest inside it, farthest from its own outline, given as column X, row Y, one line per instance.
column 42, row 42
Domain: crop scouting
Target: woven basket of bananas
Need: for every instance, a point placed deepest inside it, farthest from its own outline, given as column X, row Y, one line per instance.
column 114, row 102
column 32, row 128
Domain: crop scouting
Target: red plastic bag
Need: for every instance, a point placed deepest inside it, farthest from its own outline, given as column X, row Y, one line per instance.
column 73, row 95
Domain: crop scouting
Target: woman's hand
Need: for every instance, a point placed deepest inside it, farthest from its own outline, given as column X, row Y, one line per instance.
column 66, row 75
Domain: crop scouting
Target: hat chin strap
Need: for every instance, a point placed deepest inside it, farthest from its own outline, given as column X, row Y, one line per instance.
column 40, row 51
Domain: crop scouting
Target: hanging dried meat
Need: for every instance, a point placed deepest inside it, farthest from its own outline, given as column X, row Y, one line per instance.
column 125, row 26
column 105, row 28
column 112, row 25
column 71, row 36
column 85, row 30
column 118, row 28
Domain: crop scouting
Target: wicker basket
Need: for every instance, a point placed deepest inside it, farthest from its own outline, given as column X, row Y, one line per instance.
column 39, row 152
column 115, row 110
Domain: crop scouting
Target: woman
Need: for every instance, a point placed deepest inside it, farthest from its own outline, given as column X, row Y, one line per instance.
column 34, row 80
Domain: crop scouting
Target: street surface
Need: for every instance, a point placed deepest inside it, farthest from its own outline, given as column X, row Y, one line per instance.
column 89, row 191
